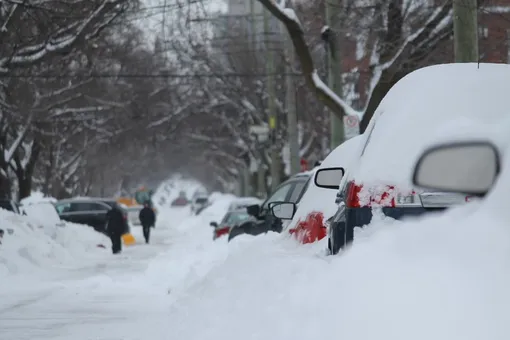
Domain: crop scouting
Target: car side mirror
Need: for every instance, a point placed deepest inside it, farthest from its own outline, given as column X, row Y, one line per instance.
column 253, row 210
column 461, row 167
column 213, row 224
column 284, row 211
column 329, row 178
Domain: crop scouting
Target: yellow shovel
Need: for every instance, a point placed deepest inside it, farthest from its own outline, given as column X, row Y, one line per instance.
column 128, row 239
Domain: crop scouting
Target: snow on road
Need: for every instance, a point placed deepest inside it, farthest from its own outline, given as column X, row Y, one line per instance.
column 115, row 297
column 436, row 278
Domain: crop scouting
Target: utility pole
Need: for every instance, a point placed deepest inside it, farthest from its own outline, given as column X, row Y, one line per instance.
column 465, row 31
column 273, row 122
column 292, row 121
column 261, row 170
column 332, row 42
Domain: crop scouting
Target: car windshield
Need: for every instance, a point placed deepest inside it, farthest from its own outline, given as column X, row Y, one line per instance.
column 237, row 217
column 201, row 200
column 234, row 218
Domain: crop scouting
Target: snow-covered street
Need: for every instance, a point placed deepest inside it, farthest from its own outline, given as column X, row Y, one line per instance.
column 185, row 286
column 114, row 297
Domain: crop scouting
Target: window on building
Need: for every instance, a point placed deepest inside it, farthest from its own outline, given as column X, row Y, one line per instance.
column 483, row 32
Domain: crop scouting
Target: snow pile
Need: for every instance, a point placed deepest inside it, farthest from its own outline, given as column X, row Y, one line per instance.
column 430, row 279
column 37, row 197
column 170, row 189
column 30, row 247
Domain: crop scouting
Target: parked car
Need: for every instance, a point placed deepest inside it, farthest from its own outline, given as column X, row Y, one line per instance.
column 413, row 113
column 232, row 219
column 309, row 221
column 10, row 205
column 198, row 204
column 43, row 212
column 89, row 211
column 180, row 201
column 289, row 191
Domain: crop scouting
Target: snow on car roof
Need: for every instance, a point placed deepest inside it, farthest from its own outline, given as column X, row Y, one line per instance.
column 245, row 199
column 417, row 109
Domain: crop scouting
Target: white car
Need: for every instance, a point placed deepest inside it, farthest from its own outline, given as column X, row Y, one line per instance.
column 309, row 218
column 43, row 212
column 133, row 214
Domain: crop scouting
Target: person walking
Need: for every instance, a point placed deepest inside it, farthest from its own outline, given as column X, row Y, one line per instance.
column 147, row 219
column 116, row 226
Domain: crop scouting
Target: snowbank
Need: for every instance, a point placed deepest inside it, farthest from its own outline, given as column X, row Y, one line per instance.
column 169, row 190
column 439, row 278
column 34, row 247
column 37, row 197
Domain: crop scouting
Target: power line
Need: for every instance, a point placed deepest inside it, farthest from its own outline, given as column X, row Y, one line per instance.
column 156, row 75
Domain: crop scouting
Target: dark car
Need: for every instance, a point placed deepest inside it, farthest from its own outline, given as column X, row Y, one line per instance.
column 289, row 191
column 88, row 211
column 232, row 219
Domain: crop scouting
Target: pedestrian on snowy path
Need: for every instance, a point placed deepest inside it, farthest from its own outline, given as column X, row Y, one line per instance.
column 116, row 227
column 147, row 219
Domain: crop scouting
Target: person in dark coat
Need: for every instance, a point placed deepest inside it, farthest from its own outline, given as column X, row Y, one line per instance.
column 147, row 219
column 116, row 227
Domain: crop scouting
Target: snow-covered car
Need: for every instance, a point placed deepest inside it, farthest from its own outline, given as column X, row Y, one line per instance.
column 180, row 201
column 243, row 202
column 44, row 213
column 199, row 203
column 289, row 191
column 232, row 219
column 309, row 220
column 414, row 112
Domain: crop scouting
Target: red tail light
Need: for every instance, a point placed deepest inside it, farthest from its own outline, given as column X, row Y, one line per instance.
column 388, row 197
column 352, row 195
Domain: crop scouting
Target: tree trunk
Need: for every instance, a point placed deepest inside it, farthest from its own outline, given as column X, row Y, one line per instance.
column 5, row 187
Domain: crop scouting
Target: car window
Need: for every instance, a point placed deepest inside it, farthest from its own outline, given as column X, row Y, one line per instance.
column 297, row 192
column 63, row 207
column 279, row 195
column 110, row 203
column 225, row 218
column 237, row 218
column 88, row 206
